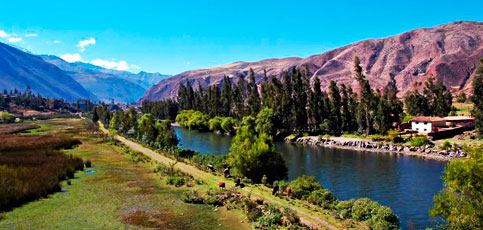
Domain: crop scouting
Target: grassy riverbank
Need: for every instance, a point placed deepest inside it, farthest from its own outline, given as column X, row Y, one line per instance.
column 120, row 194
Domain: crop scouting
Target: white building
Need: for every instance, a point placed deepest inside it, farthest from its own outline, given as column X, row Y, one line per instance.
column 427, row 125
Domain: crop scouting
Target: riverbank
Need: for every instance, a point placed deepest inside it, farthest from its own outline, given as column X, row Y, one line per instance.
column 425, row 152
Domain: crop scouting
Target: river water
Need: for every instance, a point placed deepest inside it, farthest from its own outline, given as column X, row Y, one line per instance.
column 405, row 184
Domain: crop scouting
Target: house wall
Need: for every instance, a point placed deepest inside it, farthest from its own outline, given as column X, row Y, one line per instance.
column 421, row 127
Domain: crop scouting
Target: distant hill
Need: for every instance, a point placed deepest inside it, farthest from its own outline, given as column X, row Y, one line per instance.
column 19, row 69
column 449, row 52
column 107, row 84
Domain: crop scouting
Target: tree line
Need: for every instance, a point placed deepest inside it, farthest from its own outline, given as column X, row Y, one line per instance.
column 299, row 104
column 146, row 128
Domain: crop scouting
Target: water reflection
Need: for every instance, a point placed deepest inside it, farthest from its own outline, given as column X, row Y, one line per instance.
column 405, row 184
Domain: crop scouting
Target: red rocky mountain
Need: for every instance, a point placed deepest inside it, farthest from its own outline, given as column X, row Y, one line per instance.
column 449, row 52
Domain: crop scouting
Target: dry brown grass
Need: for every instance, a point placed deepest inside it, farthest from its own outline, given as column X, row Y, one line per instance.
column 16, row 128
column 32, row 167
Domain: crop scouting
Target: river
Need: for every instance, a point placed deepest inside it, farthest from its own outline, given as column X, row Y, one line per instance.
column 405, row 184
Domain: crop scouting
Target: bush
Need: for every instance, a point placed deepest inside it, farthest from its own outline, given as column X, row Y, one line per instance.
column 215, row 124
column 344, row 208
column 363, row 208
column 228, row 125
column 192, row 197
column 218, row 161
column 303, row 186
column 446, row 145
column 185, row 153
column 323, row 198
column 251, row 210
column 175, row 180
column 272, row 217
column 419, row 141
column 383, row 218
column 291, row 216
column 6, row 117
column 193, row 120
column 281, row 184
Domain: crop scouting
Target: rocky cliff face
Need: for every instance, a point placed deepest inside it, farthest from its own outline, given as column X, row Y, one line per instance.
column 449, row 52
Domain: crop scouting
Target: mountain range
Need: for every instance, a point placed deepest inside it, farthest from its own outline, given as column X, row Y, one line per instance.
column 449, row 52
column 53, row 77
column 19, row 70
column 107, row 84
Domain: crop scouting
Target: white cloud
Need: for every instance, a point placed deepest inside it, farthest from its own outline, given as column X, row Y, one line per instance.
column 72, row 58
column 14, row 39
column 3, row 34
column 82, row 44
column 30, row 35
column 135, row 66
column 121, row 65
column 56, row 42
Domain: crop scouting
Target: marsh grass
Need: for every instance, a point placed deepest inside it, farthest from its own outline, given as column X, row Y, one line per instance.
column 32, row 167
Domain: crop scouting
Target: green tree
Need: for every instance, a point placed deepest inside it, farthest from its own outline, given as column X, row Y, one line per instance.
column 165, row 135
column 460, row 202
column 266, row 122
column 253, row 101
column 228, row 125
column 286, row 101
column 477, row 98
column 366, row 98
column 147, row 131
column 335, row 113
column 461, row 98
column 240, row 96
column 254, row 156
column 226, row 97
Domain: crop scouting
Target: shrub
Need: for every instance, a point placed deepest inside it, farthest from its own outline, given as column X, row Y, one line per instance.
column 6, row 117
column 272, row 217
column 192, row 197
column 303, row 186
column 251, row 210
column 407, row 118
column 446, row 145
column 290, row 215
column 383, row 218
column 185, row 153
column 419, row 141
column 202, row 160
column 228, row 125
column 363, row 208
column 344, row 208
column 193, row 120
column 281, row 184
column 323, row 198
column 175, row 180
column 393, row 135
column 215, row 124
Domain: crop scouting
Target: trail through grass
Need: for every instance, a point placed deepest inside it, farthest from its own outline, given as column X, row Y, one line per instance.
column 119, row 195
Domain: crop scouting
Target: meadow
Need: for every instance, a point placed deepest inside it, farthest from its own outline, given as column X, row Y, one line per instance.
column 120, row 191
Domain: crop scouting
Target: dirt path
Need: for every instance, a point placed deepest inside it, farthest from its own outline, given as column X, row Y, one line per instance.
column 306, row 218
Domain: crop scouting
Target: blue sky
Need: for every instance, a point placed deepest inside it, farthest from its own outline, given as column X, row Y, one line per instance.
column 174, row 36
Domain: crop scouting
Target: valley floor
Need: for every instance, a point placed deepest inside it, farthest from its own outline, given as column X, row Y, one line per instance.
column 120, row 194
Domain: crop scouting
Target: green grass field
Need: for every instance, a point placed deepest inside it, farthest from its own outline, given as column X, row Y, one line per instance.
column 121, row 194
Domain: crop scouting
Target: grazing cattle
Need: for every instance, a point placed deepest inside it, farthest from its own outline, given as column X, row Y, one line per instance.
column 275, row 189
column 226, row 172
column 211, row 167
column 221, row 184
